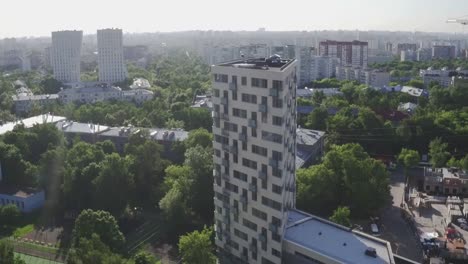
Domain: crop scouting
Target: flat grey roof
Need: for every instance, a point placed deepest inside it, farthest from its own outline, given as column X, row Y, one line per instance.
column 162, row 134
column 268, row 64
column 308, row 136
column 35, row 97
column 31, row 121
column 326, row 238
column 76, row 127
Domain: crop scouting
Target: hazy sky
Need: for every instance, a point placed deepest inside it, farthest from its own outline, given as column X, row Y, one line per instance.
column 40, row 17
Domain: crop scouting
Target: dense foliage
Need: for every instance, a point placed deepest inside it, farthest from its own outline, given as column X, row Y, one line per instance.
column 197, row 247
column 347, row 177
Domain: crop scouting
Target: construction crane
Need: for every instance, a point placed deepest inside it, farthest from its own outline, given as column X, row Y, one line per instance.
column 464, row 21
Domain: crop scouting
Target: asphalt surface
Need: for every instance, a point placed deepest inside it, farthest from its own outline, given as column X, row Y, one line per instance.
column 394, row 228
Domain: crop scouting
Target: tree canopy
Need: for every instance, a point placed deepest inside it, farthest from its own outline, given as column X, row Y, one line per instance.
column 196, row 247
column 347, row 177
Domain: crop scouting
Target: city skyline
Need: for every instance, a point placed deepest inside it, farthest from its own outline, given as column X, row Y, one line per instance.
column 147, row 16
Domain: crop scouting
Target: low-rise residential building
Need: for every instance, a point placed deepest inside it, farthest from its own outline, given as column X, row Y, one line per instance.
column 26, row 199
column 30, row 122
column 92, row 92
column 310, row 239
column 372, row 78
column 166, row 137
column 85, row 131
column 24, row 103
column 203, row 101
column 446, row 181
column 309, row 92
column 310, row 144
column 93, row 133
column 443, row 76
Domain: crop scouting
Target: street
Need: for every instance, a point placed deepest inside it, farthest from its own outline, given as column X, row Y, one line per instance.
column 394, row 228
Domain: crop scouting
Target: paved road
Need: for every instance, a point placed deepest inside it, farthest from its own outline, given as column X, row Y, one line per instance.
column 394, row 228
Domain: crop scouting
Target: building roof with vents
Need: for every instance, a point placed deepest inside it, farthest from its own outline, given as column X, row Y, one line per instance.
column 308, row 136
column 334, row 241
column 81, row 128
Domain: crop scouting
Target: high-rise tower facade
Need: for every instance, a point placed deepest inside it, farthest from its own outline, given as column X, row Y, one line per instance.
column 111, row 62
column 350, row 53
column 65, row 55
column 254, row 123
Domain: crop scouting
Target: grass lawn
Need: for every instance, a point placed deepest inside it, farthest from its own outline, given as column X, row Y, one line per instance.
column 22, row 231
column 35, row 260
column 35, row 247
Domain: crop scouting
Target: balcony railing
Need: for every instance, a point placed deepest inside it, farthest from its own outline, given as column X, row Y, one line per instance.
column 262, row 175
column 243, row 137
column 226, row 177
column 262, row 237
column 274, row 92
column 224, row 100
column 253, row 188
column 225, row 132
column 233, row 150
column 233, row 86
column 273, row 228
column 273, row 163
column 225, row 116
column 262, row 108
column 252, row 123
column 243, row 199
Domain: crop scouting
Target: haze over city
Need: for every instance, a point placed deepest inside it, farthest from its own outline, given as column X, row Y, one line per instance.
column 39, row 18
column 234, row 132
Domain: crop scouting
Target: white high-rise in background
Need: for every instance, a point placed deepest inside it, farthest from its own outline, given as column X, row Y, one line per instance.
column 65, row 55
column 111, row 62
column 254, row 111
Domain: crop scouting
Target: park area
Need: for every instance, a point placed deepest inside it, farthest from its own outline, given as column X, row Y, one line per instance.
column 35, row 260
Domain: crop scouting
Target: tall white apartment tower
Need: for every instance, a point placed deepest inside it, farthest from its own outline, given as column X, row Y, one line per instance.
column 254, row 124
column 111, row 62
column 65, row 55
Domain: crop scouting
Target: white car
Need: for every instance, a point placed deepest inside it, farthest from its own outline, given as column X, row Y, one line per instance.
column 375, row 230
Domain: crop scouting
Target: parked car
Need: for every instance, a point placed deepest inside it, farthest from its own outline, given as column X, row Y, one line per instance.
column 375, row 230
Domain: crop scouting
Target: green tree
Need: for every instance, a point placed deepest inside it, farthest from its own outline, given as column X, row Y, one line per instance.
column 464, row 163
column 101, row 223
column 317, row 119
column 93, row 250
column 200, row 137
column 317, row 98
column 82, row 167
column 144, row 258
column 114, row 184
column 16, row 170
column 200, row 161
column 107, row 146
column 148, row 170
column 7, row 255
column 409, row 158
column 50, row 85
column 347, row 177
column 196, row 247
column 341, row 216
column 438, row 153
column 9, row 214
